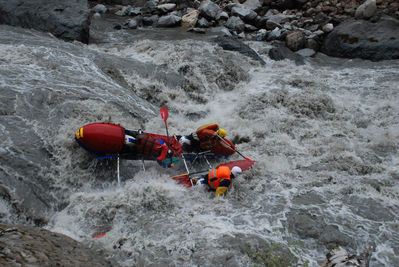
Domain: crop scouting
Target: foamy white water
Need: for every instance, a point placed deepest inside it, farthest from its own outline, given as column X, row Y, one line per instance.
column 325, row 136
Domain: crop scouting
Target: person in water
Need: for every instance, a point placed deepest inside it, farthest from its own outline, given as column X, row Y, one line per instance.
column 205, row 138
column 218, row 179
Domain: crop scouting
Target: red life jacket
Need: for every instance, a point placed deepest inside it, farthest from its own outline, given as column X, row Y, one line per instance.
column 205, row 134
column 215, row 177
column 149, row 146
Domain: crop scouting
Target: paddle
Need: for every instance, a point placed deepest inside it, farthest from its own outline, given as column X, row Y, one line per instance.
column 164, row 116
column 188, row 174
column 185, row 179
column 226, row 143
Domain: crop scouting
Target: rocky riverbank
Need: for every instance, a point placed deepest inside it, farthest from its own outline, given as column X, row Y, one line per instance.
column 337, row 28
column 349, row 29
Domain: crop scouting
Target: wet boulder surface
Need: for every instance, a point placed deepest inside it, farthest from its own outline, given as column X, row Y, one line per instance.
column 22, row 245
column 364, row 39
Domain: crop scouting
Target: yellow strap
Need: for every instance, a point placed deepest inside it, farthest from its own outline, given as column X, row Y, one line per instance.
column 220, row 191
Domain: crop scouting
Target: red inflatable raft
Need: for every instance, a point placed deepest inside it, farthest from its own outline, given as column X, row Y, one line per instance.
column 101, row 138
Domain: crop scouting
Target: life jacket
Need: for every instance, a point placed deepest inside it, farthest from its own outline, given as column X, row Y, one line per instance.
column 206, row 131
column 216, row 176
column 204, row 134
column 148, row 145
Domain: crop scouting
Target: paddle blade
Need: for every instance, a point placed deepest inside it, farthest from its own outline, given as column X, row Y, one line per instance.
column 183, row 179
column 100, row 235
column 164, row 113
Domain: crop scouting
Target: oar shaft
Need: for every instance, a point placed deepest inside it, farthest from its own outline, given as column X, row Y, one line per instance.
column 234, row 149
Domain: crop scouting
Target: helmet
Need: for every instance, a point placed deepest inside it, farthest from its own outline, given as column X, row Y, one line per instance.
column 235, row 171
column 170, row 153
column 222, row 132
column 184, row 141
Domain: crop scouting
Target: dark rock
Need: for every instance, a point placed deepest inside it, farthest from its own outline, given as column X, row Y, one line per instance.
column 203, row 23
column 232, row 44
column 295, row 40
column 282, row 52
column 68, row 20
column 312, row 44
column 235, row 24
column 209, row 9
column 149, row 8
column 148, row 21
column 244, row 13
column 32, row 246
column 134, row 3
column 308, row 225
column 169, row 21
column 363, row 39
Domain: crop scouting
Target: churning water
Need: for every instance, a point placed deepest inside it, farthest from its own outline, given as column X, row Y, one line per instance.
column 325, row 136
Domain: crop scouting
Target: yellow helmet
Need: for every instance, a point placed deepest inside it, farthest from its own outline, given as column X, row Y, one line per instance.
column 222, row 132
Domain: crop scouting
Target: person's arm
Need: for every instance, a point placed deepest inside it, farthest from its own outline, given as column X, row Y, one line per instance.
column 208, row 133
column 163, row 154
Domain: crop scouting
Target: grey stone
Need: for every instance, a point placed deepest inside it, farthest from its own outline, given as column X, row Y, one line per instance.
column 68, row 20
column 364, row 39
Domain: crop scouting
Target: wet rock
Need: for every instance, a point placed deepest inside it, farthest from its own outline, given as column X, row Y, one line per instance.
column 165, row 8
column 233, row 44
column 371, row 209
column 235, row 24
column 328, row 28
column 209, row 9
column 100, row 9
column 306, row 52
column 152, row 20
column 366, row 10
column 364, row 39
column 169, row 21
column 149, row 8
column 190, row 19
column 295, row 40
column 135, row 22
column 68, row 20
column 282, row 52
column 244, row 13
column 203, row 23
column 125, row 11
column 33, row 246
column 309, row 225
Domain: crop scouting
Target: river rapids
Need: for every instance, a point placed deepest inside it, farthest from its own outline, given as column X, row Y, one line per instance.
column 325, row 136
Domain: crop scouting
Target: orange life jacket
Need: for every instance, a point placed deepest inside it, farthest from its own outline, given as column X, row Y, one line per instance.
column 215, row 177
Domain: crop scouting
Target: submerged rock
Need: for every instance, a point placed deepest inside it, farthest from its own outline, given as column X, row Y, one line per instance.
column 232, row 44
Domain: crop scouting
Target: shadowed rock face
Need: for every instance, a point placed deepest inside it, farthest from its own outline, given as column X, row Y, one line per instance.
column 68, row 20
column 33, row 246
column 364, row 39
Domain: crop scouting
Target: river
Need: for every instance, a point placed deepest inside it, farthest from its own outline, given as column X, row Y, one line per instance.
column 325, row 136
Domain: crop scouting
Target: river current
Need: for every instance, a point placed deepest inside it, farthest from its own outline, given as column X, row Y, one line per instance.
column 325, row 136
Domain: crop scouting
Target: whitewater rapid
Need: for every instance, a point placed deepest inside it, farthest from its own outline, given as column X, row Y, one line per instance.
column 325, row 137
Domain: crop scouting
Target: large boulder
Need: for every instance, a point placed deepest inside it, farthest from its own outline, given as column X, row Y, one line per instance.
column 364, row 39
column 68, row 20
column 32, row 246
